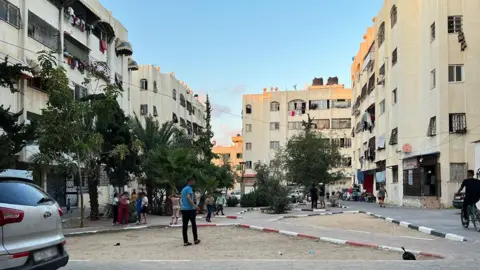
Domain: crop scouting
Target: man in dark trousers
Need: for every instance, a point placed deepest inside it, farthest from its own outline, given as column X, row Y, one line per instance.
column 314, row 196
column 472, row 193
column 189, row 212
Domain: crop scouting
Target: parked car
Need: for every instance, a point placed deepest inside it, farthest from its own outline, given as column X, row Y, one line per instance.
column 296, row 196
column 457, row 201
column 30, row 227
column 236, row 194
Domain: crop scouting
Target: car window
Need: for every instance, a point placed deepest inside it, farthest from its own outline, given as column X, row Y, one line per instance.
column 20, row 193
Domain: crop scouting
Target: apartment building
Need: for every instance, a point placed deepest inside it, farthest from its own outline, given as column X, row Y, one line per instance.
column 233, row 152
column 81, row 32
column 414, row 83
column 166, row 98
column 272, row 117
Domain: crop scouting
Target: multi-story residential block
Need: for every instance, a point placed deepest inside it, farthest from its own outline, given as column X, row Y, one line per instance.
column 233, row 153
column 164, row 97
column 415, row 112
column 272, row 117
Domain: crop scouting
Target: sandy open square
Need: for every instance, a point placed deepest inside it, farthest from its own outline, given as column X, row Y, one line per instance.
column 360, row 222
column 218, row 243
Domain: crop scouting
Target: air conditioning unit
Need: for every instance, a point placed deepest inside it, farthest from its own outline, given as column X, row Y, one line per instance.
column 381, row 80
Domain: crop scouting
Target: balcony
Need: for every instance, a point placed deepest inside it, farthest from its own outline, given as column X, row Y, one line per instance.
column 43, row 32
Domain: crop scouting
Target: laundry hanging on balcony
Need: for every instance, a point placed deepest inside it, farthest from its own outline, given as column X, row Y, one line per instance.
column 103, row 46
column 368, row 122
column 462, row 41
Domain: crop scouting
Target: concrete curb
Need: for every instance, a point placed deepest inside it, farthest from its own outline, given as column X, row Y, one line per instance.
column 252, row 209
column 230, row 217
column 318, row 214
column 423, row 229
column 112, row 230
column 338, row 241
column 203, row 225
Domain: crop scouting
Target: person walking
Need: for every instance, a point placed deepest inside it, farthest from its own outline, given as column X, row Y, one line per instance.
column 321, row 196
column 382, row 193
column 123, row 209
column 220, row 202
column 138, row 207
column 210, row 207
column 189, row 212
column 175, row 208
column 144, row 206
column 314, row 196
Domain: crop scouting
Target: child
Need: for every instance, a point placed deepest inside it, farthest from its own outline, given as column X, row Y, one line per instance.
column 210, row 207
column 144, row 206
column 139, row 209
column 175, row 208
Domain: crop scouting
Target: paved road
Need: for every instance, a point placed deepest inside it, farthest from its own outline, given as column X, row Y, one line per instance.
column 272, row 265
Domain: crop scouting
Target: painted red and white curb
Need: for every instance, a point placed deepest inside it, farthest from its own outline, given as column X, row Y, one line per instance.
column 337, row 241
column 230, row 217
column 202, row 225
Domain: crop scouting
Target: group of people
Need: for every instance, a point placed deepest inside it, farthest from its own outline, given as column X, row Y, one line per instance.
column 317, row 195
column 120, row 207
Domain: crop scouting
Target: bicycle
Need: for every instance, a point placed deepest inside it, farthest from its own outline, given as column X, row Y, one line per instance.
column 474, row 217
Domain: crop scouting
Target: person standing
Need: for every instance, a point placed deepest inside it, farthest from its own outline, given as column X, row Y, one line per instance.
column 175, row 208
column 314, row 196
column 220, row 202
column 189, row 212
column 210, row 207
column 382, row 193
column 115, row 208
column 138, row 207
column 321, row 196
column 123, row 209
column 144, row 206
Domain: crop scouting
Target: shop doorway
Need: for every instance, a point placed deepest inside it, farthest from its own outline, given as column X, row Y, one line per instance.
column 368, row 183
column 429, row 181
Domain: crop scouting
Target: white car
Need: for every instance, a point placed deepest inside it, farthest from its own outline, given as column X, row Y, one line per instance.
column 236, row 194
column 31, row 234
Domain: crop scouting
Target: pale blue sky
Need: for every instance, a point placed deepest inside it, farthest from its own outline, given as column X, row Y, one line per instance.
column 227, row 48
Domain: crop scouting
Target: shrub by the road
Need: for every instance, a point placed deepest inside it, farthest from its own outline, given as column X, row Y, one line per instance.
column 232, row 201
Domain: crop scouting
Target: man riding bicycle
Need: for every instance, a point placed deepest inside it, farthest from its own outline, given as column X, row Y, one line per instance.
column 472, row 192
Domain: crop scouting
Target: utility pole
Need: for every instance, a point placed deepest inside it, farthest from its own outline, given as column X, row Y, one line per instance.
column 242, row 184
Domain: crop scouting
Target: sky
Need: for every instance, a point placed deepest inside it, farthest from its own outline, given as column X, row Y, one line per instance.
column 227, row 48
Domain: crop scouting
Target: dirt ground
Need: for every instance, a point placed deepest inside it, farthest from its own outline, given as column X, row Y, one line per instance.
column 217, row 244
column 360, row 222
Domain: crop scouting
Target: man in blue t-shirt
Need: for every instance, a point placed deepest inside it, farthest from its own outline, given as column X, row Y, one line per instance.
column 189, row 212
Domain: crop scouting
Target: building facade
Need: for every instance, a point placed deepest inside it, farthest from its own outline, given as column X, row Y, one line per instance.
column 233, row 153
column 272, row 117
column 414, row 85
column 166, row 98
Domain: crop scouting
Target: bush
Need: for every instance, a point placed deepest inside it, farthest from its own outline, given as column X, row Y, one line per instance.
column 232, row 201
column 248, row 200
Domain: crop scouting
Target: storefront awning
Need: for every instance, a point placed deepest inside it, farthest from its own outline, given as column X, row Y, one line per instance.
column 132, row 64
column 123, row 47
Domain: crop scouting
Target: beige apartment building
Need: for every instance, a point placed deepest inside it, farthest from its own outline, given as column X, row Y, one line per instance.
column 166, row 98
column 415, row 110
column 272, row 117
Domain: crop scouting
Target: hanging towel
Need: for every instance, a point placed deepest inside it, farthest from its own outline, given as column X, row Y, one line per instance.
column 103, row 46
column 380, row 177
column 292, row 113
column 360, row 177
column 381, row 142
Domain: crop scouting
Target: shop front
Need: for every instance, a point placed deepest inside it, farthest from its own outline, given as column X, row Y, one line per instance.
column 422, row 181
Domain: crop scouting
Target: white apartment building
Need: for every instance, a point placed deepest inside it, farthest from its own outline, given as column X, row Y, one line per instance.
column 81, row 32
column 164, row 97
column 414, row 83
column 272, row 117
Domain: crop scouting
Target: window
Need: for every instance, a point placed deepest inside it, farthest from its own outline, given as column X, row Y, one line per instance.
column 143, row 84
column 183, row 123
column 248, row 109
column 225, row 156
column 433, row 79
column 43, row 32
column 394, row 96
column 393, row 15
column 174, row 118
column 394, row 57
column 395, row 174
column 319, row 104
column 295, row 125
column 17, row 192
column 432, row 127
column 454, row 24
column 155, row 86
column 341, row 103
column 274, row 106
column 382, row 107
column 248, row 146
column 155, row 113
column 342, row 123
column 174, row 94
column 274, row 145
column 248, row 164
column 35, row 82
column 182, row 101
column 343, row 142
column 248, row 128
column 9, row 13
column 189, row 107
column 80, row 92
column 458, row 172
column 455, row 73
column 394, row 137
column 274, row 125
column 381, row 71
column 381, row 34
column 457, row 123
column 193, row 110
column 432, row 32
column 239, row 155
column 321, row 123
column 143, row 109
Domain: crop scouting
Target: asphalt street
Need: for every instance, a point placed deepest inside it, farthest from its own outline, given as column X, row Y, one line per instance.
column 271, row 265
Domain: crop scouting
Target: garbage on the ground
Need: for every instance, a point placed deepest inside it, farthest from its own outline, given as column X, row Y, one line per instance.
column 311, row 251
column 116, row 245
column 280, row 253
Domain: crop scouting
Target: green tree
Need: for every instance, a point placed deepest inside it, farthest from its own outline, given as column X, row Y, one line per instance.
column 204, row 142
column 15, row 135
column 309, row 158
